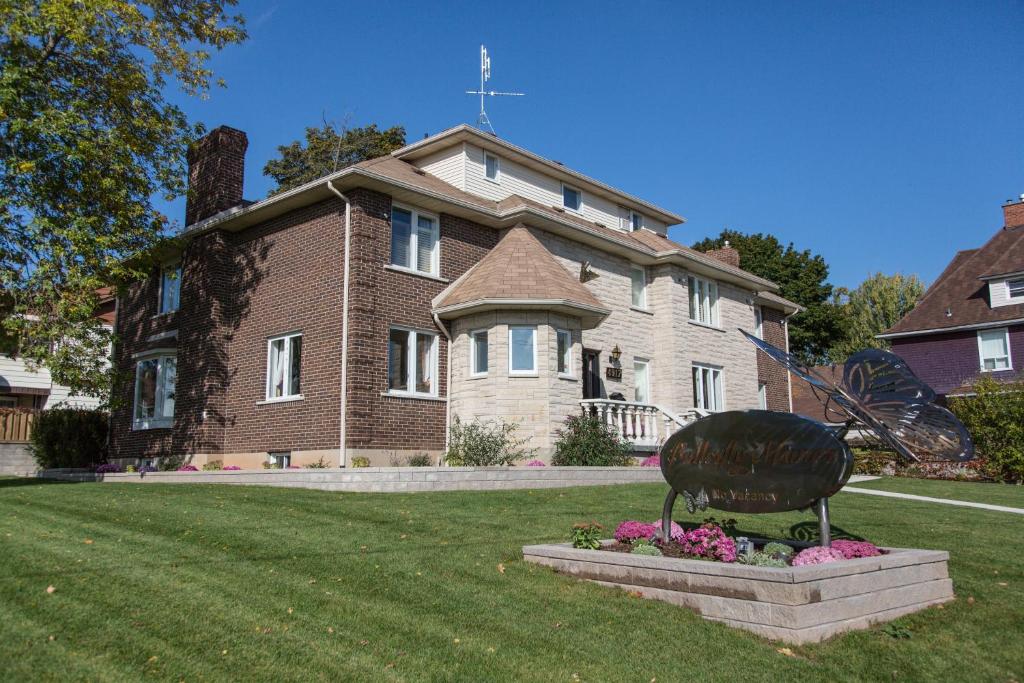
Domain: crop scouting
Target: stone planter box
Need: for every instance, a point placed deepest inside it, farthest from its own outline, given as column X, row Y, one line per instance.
column 792, row 604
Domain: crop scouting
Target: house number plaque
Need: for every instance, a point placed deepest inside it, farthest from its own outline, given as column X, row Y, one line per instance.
column 613, row 373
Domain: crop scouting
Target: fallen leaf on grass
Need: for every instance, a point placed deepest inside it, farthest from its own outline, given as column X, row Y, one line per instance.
column 456, row 641
column 501, row 568
column 152, row 659
column 364, row 642
column 223, row 652
column 970, row 600
column 50, row 589
column 289, row 610
column 786, row 651
column 330, row 629
column 1003, row 583
column 88, row 541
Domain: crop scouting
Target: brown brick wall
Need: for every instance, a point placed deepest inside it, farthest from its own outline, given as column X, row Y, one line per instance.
column 768, row 371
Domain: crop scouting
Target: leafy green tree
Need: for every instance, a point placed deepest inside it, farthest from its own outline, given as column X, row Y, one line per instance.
column 87, row 138
column 802, row 278
column 327, row 149
column 873, row 307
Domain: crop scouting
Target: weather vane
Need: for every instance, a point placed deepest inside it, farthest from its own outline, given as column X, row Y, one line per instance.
column 485, row 75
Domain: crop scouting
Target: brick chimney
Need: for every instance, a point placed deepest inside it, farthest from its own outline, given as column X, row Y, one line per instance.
column 216, row 171
column 1013, row 213
column 726, row 254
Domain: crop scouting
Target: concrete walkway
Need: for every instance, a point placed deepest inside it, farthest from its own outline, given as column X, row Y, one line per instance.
column 929, row 499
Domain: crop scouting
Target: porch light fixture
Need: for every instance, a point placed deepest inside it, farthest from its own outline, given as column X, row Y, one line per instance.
column 616, row 353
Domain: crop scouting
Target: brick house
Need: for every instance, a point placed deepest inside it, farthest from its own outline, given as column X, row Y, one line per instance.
column 459, row 277
column 970, row 322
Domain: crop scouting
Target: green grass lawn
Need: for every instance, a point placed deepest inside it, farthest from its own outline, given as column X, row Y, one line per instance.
column 246, row 583
column 993, row 494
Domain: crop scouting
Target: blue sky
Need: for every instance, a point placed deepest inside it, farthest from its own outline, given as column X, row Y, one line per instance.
column 884, row 136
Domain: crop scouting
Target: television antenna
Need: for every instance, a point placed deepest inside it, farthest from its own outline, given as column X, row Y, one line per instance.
column 485, row 75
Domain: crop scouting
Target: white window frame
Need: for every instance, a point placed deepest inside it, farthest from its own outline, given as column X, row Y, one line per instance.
column 435, row 257
column 1009, row 289
column 647, row 379
column 634, row 269
column 474, row 371
column 497, row 168
column 164, row 270
column 410, row 385
column 762, row 395
column 636, row 221
column 559, row 334
column 717, row 374
column 758, row 322
column 578, row 209
column 287, row 364
column 709, row 297
column 159, row 392
column 532, row 372
column 282, row 458
column 1008, row 356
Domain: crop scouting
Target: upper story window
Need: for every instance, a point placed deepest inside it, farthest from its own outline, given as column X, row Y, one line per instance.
column 703, row 301
column 638, row 277
column 641, row 381
column 636, row 221
column 564, row 352
column 758, row 322
column 414, row 240
column 1015, row 289
column 478, row 352
column 522, row 350
column 707, row 388
column 492, row 167
column 412, row 362
column 155, row 379
column 572, row 198
column 994, row 349
column 284, row 367
column 170, row 287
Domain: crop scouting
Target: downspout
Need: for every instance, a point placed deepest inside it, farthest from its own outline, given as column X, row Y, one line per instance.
column 448, row 383
column 342, row 447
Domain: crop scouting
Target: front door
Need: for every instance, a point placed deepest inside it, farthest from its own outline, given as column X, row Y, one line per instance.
column 591, row 374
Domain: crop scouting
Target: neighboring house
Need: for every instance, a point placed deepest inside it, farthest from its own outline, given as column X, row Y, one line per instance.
column 25, row 387
column 970, row 322
column 481, row 281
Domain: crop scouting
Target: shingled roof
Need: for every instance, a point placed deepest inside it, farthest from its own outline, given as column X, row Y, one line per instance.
column 519, row 273
column 959, row 297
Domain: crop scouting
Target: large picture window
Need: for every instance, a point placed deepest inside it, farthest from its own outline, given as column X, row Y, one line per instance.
column 284, row 367
column 414, row 240
column 994, row 349
column 707, row 388
column 412, row 362
column 703, row 301
column 522, row 350
column 154, row 392
column 170, row 288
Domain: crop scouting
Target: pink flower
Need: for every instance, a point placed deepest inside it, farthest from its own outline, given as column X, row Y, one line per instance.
column 852, row 549
column 232, row 467
column 535, row 463
column 817, row 555
column 632, row 530
column 709, row 541
column 188, row 468
column 652, row 461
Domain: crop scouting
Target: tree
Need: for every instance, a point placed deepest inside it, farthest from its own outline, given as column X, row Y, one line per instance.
column 802, row 278
column 327, row 149
column 87, row 138
column 873, row 307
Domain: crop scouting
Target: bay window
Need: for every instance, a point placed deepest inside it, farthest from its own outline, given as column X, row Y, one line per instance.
column 412, row 362
column 284, row 367
column 154, row 391
column 522, row 350
column 414, row 240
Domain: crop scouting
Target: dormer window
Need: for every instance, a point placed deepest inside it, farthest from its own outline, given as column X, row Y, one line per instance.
column 636, row 221
column 1015, row 288
column 492, row 167
column 572, row 198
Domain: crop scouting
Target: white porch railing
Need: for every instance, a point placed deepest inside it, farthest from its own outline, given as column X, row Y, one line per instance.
column 645, row 425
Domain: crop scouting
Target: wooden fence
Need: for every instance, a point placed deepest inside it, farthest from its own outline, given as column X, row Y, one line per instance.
column 16, row 425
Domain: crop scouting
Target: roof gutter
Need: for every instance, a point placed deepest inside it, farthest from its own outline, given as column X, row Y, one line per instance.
column 957, row 328
column 347, row 246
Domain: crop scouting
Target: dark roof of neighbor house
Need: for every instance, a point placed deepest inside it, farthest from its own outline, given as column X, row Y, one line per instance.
column 959, row 297
column 518, row 272
column 807, row 404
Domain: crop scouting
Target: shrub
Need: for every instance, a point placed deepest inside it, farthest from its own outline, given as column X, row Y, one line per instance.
column 852, row 549
column 817, row 554
column 643, row 547
column 108, row 468
column 763, row 559
column 420, row 460
column 483, row 444
column 360, row 461
column 320, row 464
column 213, row 466
column 586, row 440
column 874, row 461
column 776, row 549
column 69, row 437
column 995, row 418
column 651, row 461
column 709, row 541
column 587, row 535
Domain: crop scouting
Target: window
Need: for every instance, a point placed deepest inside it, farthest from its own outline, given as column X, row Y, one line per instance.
column 638, row 275
column 641, row 381
column 572, row 198
column 280, row 461
column 994, row 349
column 478, row 352
column 522, row 350
column 154, row 392
column 758, row 322
column 636, row 221
column 762, row 395
column 1015, row 289
column 414, row 240
column 707, row 388
column 564, row 352
column 492, row 167
column 703, row 301
column 170, row 287
column 8, row 401
column 412, row 362
column 284, row 367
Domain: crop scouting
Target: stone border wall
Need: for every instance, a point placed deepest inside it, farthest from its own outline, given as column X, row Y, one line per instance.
column 391, row 479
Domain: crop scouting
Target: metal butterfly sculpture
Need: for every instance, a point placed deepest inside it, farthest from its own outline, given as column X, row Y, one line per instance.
column 765, row 461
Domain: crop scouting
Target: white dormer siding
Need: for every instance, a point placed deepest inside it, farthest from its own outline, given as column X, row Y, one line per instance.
column 462, row 165
column 1006, row 292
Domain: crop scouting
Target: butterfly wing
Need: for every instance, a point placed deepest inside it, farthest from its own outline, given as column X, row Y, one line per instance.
column 874, row 376
column 793, row 364
column 921, row 432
